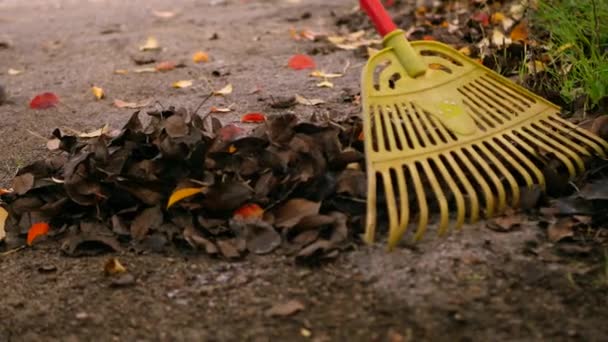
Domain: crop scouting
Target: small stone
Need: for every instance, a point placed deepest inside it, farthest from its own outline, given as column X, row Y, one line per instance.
column 47, row 268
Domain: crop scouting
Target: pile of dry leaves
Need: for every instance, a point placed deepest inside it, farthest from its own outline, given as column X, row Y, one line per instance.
column 184, row 180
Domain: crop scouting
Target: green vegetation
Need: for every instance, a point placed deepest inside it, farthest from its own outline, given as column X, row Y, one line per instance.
column 578, row 37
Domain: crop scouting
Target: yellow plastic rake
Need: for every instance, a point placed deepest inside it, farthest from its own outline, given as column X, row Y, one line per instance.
column 446, row 134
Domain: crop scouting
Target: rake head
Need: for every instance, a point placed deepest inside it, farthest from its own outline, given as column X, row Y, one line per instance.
column 460, row 140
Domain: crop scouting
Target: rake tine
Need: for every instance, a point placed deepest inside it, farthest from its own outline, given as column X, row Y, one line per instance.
column 490, row 173
column 489, row 197
column 460, row 206
column 397, row 234
column 590, row 139
column 371, row 216
column 423, row 207
column 565, row 143
column 391, row 205
column 561, row 156
column 576, row 134
column 388, row 126
column 540, row 179
column 443, row 203
column 508, row 176
column 378, row 127
column 473, row 199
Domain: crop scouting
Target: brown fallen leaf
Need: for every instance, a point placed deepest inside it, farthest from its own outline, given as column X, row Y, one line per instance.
column 285, row 309
column 23, row 183
column 292, row 211
column 228, row 248
column 505, row 223
column 563, row 228
column 260, row 237
column 308, row 102
column 149, row 218
column 196, row 240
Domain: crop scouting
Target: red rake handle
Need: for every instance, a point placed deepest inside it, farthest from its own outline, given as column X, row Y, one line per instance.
column 378, row 15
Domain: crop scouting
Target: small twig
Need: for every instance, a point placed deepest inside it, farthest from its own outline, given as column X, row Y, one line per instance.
column 201, row 104
column 12, row 251
column 37, row 135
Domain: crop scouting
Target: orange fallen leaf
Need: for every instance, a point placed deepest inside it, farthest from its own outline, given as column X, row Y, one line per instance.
column 250, row 210
column 300, row 62
column 36, row 230
column 428, row 37
column 180, row 194
column 253, row 118
column 200, row 57
column 520, row 32
column 3, row 217
column 231, row 149
column 361, row 137
column 5, row 191
column 165, row 66
column 497, row 18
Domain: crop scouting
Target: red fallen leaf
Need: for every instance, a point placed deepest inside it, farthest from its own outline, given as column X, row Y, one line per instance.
column 481, row 17
column 428, row 37
column 300, row 62
column 250, row 210
column 389, row 3
column 44, row 101
column 36, row 230
column 230, row 132
column 253, row 117
column 165, row 66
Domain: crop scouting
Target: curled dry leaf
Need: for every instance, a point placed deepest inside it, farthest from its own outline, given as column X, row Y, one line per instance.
column 113, row 266
column 182, row 84
column 37, row 230
column 3, row 217
column 505, row 223
column 215, row 109
column 260, row 237
column 291, row 212
column 144, row 70
column 200, row 57
column 163, row 14
column 224, row 91
column 301, row 62
column 308, row 102
column 97, row 92
column 44, row 101
column 181, row 194
column 321, row 74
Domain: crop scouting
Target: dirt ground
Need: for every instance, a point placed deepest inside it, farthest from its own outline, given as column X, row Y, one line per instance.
column 478, row 285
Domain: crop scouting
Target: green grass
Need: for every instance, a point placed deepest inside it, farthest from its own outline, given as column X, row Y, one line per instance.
column 578, row 40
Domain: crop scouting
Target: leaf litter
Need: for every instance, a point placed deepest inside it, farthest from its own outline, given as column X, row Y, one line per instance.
column 184, row 181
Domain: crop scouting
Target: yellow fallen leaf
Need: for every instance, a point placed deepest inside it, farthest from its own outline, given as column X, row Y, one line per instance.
column 113, row 266
column 121, row 71
column 14, row 72
column 150, row 45
column 321, row 74
column 182, row 84
column 308, row 102
column 224, row 91
column 564, row 47
column 497, row 18
column 3, row 217
column 132, row 105
column 200, row 57
column 98, row 92
column 325, row 84
column 465, row 51
column 536, row 66
column 231, row 149
column 180, row 194
column 142, row 70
